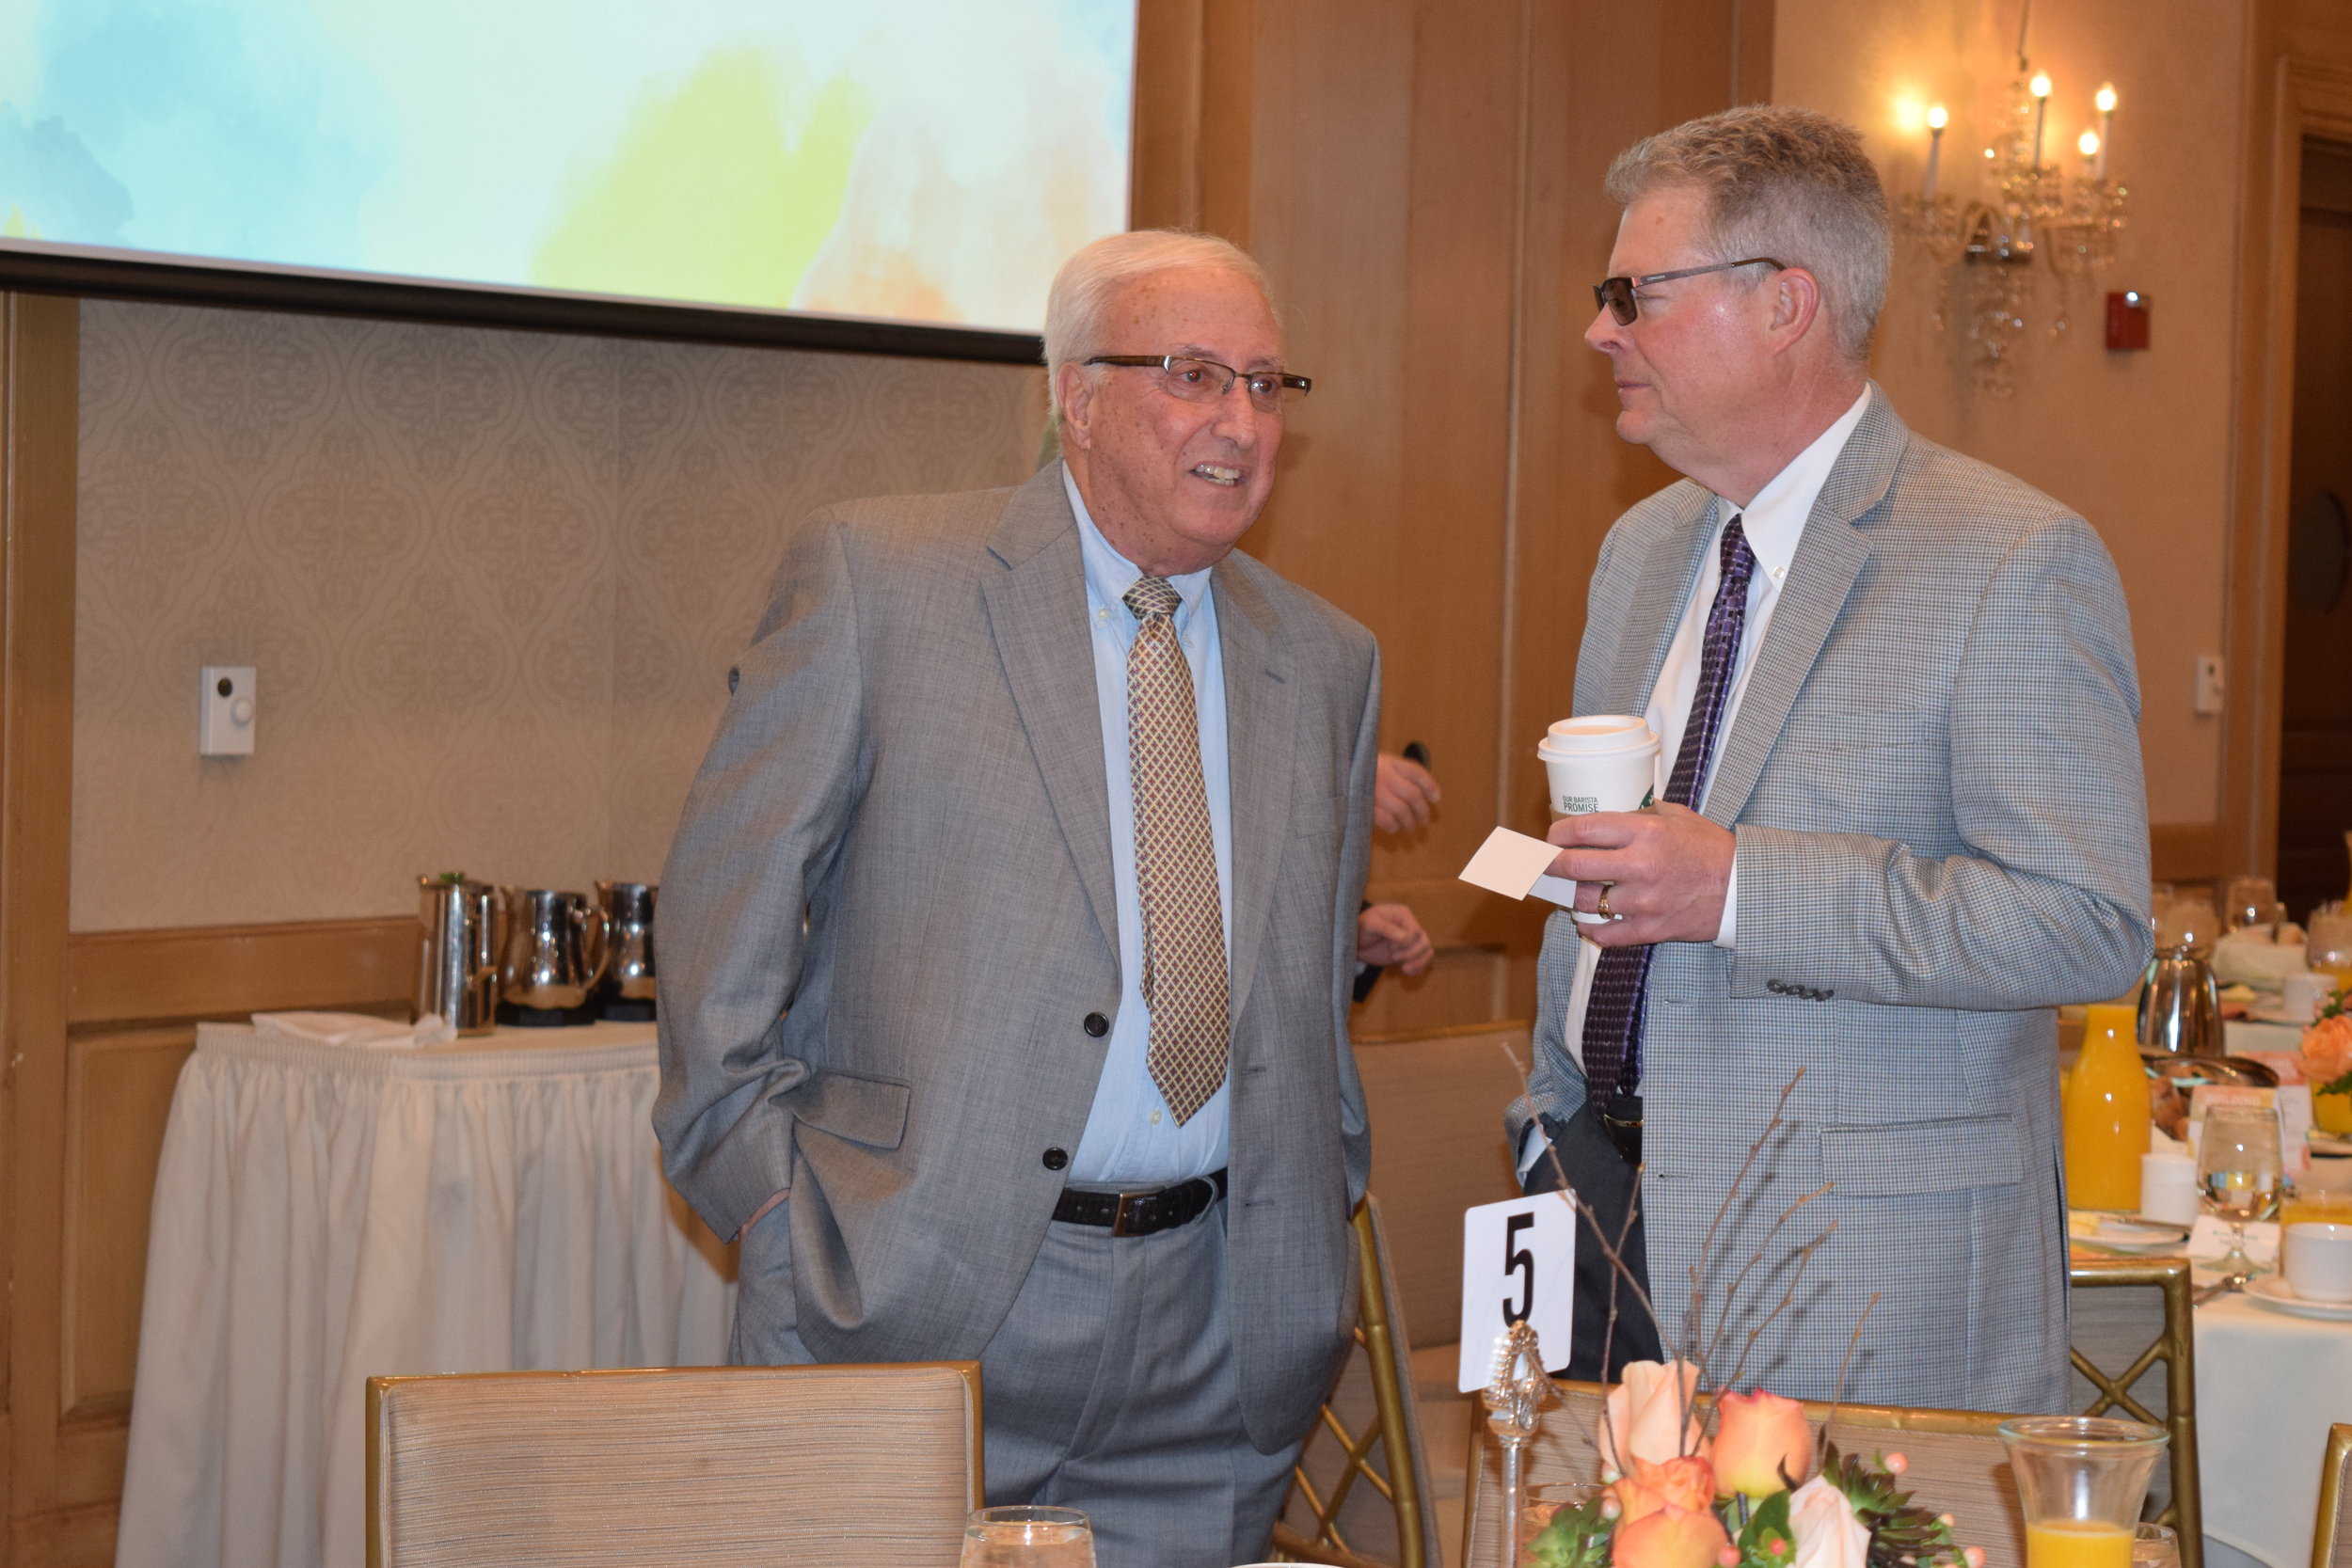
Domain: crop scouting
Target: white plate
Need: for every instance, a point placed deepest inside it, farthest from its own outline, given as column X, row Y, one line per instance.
column 2129, row 1233
column 2329, row 1143
column 2270, row 1290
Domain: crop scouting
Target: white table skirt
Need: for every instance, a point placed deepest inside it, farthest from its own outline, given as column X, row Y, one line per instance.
column 2267, row 1388
column 324, row 1214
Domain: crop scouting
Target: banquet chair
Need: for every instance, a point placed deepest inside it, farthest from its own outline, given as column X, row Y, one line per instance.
column 1957, row 1464
column 2175, row 1345
column 1359, row 1495
column 2331, row 1535
column 859, row 1467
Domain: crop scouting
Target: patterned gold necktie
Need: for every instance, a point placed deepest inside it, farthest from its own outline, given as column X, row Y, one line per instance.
column 1183, row 923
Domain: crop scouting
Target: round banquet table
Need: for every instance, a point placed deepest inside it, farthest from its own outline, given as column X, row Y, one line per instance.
column 328, row 1214
column 2267, row 1388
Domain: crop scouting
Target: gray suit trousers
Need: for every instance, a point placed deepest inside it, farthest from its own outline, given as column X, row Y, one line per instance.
column 1112, row 1388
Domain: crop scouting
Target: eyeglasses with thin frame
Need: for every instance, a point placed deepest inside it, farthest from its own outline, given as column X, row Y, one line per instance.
column 1617, row 296
column 1196, row 380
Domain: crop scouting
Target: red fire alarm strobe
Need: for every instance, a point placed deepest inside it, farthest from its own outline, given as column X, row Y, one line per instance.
column 2128, row 320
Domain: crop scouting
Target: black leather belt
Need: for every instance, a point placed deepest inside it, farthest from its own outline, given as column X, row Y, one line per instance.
column 1141, row 1213
column 1621, row 1118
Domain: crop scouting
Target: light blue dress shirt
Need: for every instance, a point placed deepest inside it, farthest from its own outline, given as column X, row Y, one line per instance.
column 1131, row 1139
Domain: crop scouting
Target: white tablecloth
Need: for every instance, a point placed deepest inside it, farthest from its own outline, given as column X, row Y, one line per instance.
column 2268, row 1386
column 325, row 1214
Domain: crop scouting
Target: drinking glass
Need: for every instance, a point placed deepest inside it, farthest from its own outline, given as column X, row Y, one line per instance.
column 1547, row 1498
column 1028, row 1536
column 2246, row 901
column 2156, row 1547
column 2189, row 920
column 2237, row 1166
column 2082, row 1479
column 2329, row 942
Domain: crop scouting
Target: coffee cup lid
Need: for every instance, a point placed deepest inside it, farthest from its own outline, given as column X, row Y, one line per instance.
column 1598, row 734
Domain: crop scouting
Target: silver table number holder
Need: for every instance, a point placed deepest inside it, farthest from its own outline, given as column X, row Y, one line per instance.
column 1515, row 1399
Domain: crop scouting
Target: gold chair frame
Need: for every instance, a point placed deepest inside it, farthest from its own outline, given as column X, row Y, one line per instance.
column 2332, row 1494
column 2176, row 1347
column 1381, row 1342
column 1590, row 1397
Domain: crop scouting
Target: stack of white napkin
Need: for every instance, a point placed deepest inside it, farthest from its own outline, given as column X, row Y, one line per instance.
column 358, row 1029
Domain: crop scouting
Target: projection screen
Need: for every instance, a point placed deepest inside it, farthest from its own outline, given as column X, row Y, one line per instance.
column 860, row 173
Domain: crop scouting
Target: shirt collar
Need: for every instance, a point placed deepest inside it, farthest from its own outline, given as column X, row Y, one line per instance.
column 1775, row 520
column 1109, row 574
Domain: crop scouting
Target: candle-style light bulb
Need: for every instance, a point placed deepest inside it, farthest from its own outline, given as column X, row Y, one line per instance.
column 2105, row 99
column 1937, row 119
column 2088, row 142
column 2040, row 87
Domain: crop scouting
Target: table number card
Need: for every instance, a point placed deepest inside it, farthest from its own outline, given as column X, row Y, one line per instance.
column 1518, row 1262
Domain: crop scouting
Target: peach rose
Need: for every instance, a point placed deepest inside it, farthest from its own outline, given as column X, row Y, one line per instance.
column 1672, row 1537
column 1828, row 1535
column 2326, row 1052
column 1759, row 1436
column 1687, row 1484
column 1646, row 1420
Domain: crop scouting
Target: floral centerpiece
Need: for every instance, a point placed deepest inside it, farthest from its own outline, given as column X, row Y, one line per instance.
column 2327, row 1063
column 1748, row 1494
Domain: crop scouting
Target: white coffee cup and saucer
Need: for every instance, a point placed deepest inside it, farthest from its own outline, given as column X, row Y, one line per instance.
column 2314, row 1278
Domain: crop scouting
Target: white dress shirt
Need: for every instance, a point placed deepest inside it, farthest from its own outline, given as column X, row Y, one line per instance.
column 1772, row 522
column 1132, row 1139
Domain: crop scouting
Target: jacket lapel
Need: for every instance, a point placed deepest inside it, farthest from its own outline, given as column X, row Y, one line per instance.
column 1036, row 597
column 1653, row 610
column 1830, row 556
column 1259, row 701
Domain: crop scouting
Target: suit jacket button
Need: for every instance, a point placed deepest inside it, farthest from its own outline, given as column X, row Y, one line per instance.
column 1827, row 994
column 1056, row 1158
column 1096, row 1026
column 1775, row 987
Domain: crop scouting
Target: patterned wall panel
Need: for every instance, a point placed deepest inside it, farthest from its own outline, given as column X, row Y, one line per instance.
column 492, row 582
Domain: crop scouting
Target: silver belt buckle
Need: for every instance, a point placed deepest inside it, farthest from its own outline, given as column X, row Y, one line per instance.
column 1119, row 1216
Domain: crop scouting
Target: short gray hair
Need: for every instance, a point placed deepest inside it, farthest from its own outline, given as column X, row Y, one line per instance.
column 1787, row 183
column 1082, row 290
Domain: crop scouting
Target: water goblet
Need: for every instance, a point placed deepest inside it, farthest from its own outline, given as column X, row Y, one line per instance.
column 2237, row 1166
column 1028, row 1536
column 2156, row 1547
column 2246, row 901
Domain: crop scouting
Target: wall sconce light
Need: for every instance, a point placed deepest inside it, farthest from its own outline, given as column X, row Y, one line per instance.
column 2034, row 208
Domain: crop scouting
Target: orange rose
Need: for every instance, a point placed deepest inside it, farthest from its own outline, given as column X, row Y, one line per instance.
column 1645, row 1417
column 2326, row 1052
column 1671, row 1538
column 1761, row 1435
column 1687, row 1484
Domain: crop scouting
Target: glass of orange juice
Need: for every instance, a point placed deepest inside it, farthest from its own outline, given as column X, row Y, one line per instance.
column 2082, row 1479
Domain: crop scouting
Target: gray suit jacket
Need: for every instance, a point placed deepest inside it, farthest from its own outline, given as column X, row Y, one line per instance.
column 914, row 757
column 1935, row 778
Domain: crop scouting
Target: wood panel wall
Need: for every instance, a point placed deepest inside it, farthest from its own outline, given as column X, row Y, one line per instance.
column 1422, row 180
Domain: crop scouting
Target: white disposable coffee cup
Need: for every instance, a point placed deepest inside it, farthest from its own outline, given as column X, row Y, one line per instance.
column 2318, row 1261
column 1602, row 762
column 2167, row 1188
column 2301, row 995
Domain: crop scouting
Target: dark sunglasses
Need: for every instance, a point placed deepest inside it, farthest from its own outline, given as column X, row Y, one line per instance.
column 1616, row 294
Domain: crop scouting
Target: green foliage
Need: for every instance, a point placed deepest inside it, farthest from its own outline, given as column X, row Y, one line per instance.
column 1903, row 1534
column 1576, row 1538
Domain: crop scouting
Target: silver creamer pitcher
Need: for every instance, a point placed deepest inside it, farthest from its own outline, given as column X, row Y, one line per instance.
column 555, row 949
column 2179, row 1007
column 629, row 974
column 459, row 927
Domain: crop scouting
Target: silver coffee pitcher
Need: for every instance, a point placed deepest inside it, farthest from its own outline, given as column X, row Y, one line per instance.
column 555, row 949
column 2179, row 1007
column 629, row 974
column 459, row 933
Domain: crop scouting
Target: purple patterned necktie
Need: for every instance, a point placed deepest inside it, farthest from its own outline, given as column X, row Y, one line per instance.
column 1612, row 1016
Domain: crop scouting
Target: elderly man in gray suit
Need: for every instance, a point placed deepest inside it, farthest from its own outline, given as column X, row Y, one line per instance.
column 1902, row 818
column 1077, row 804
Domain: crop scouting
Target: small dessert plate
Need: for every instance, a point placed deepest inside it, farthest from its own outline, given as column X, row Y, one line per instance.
column 2126, row 1232
column 2271, row 1291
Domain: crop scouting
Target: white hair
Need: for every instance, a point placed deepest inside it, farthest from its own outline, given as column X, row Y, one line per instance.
column 1082, row 290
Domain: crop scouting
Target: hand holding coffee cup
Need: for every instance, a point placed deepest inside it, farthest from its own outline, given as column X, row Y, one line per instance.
column 1600, row 761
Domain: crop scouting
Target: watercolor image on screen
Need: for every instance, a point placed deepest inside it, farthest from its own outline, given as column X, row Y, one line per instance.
column 929, row 161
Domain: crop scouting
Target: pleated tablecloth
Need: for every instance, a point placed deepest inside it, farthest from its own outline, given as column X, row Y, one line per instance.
column 2268, row 1386
column 328, row 1214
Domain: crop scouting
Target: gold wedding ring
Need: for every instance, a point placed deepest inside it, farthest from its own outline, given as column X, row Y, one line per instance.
column 1602, row 909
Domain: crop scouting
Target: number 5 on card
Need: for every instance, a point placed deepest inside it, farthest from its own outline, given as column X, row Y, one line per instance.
column 1519, row 1263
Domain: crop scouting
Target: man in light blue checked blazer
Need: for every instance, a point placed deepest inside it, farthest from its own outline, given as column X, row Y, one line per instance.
column 1902, row 820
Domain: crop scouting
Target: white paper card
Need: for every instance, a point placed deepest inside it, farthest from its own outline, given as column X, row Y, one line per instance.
column 1519, row 1261
column 1514, row 865
column 2209, row 1239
